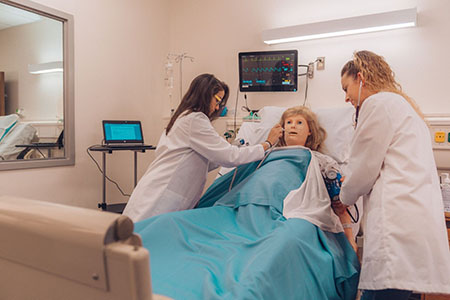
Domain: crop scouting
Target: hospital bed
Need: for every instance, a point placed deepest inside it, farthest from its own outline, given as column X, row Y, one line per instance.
column 51, row 251
column 251, row 242
column 13, row 133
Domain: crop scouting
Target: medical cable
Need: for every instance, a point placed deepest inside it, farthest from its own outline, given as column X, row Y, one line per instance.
column 106, row 176
column 235, row 110
column 267, row 154
column 355, row 220
column 358, row 104
column 306, row 80
column 232, row 179
column 245, row 107
column 306, row 91
column 257, row 167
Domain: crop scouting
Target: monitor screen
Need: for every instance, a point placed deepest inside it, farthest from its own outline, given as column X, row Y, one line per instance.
column 122, row 131
column 268, row 71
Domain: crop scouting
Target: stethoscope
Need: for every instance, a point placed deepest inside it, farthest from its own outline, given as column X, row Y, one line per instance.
column 358, row 104
column 259, row 165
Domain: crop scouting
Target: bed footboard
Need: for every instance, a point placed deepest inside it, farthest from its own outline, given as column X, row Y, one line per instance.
column 53, row 251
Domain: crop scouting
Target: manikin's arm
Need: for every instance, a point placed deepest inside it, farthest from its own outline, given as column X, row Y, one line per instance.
column 338, row 208
column 341, row 211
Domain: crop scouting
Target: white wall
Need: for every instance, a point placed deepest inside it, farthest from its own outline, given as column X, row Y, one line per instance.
column 120, row 48
column 40, row 97
column 215, row 31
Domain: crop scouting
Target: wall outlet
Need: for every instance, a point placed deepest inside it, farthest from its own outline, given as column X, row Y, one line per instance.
column 321, row 63
column 439, row 137
column 439, row 126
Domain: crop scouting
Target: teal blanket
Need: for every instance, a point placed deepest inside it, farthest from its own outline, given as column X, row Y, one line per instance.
column 237, row 244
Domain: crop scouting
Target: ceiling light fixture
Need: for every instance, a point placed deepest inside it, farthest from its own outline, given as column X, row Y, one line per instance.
column 354, row 25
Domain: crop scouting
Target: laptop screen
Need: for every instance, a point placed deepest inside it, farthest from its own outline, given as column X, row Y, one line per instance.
column 122, row 132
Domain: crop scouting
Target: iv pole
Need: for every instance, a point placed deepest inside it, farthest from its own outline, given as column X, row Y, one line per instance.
column 178, row 58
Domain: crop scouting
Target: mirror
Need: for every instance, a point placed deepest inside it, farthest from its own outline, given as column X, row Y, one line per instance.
column 36, row 86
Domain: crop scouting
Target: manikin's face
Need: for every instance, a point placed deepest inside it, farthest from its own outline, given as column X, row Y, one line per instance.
column 215, row 102
column 296, row 130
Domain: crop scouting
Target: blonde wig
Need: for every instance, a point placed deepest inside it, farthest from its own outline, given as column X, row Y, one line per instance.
column 318, row 134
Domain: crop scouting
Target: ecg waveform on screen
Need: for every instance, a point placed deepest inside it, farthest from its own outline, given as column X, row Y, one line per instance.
column 267, row 70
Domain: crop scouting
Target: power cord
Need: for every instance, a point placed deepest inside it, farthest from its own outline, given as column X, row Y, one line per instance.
column 308, row 73
column 245, row 107
column 306, row 83
column 101, row 171
column 235, row 110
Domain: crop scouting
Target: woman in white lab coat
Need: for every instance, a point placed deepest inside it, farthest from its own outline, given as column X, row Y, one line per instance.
column 188, row 149
column 391, row 165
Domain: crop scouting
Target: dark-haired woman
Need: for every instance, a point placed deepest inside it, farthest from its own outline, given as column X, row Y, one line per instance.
column 187, row 150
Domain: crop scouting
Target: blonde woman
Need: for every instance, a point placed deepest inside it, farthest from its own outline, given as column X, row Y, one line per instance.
column 391, row 164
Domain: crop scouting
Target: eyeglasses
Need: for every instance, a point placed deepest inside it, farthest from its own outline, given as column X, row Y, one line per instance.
column 218, row 100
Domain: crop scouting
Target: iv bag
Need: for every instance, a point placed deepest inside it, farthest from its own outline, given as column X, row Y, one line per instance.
column 169, row 75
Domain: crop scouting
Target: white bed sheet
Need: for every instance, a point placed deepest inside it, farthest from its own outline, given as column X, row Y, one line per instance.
column 19, row 134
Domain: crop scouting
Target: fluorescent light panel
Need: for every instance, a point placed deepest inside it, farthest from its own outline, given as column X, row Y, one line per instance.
column 50, row 67
column 355, row 25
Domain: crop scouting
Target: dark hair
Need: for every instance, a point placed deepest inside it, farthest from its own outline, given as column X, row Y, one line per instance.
column 198, row 98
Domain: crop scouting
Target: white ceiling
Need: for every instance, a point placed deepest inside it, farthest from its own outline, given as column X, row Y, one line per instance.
column 11, row 16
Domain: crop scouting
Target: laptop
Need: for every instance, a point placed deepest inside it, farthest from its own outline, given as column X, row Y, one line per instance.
column 122, row 134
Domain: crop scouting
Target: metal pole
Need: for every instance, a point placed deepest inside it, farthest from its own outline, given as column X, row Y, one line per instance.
column 104, row 180
column 135, row 168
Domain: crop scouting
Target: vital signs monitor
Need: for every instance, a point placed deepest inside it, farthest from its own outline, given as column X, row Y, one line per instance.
column 268, row 71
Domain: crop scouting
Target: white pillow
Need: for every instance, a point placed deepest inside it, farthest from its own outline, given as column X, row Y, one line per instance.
column 336, row 121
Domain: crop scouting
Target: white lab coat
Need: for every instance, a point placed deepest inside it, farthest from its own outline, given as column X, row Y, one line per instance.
column 391, row 164
column 176, row 178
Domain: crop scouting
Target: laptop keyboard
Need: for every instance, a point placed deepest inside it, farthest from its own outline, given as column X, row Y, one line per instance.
column 120, row 146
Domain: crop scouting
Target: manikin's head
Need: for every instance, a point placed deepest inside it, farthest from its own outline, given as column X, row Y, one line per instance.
column 301, row 128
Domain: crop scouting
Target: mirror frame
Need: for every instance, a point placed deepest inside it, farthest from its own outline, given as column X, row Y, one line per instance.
column 68, row 93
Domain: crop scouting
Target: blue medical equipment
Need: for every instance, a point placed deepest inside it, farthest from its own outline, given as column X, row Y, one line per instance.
column 240, row 142
column 332, row 179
